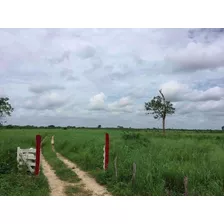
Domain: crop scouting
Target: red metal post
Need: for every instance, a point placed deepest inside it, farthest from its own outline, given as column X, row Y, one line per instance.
column 38, row 142
column 107, row 147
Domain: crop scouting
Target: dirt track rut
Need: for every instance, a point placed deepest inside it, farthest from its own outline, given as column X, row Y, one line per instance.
column 56, row 185
column 90, row 183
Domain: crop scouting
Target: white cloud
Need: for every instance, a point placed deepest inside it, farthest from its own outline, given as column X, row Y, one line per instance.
column 176, row 91
column 215, row 93
column 104, row 76
column 197, row 56
column 124, row 104
column 97, row 102
column 46, row 101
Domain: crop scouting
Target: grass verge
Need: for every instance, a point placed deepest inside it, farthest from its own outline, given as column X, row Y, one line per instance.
column 12, row 181
column 76, row 191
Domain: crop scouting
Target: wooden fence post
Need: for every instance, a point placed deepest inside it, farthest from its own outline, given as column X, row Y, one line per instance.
column 52, row 143
column 37, row 166
column 133, row 173
column 106, row 151
column 185, row 186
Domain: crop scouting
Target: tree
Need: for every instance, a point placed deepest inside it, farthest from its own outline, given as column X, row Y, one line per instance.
column 5, row 108
column 51, row 126
column 120, row 126
column 99, row 126
column 160, row 108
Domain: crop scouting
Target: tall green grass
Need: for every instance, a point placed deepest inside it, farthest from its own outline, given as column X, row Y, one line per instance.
column 13, row 182
column 162, row 162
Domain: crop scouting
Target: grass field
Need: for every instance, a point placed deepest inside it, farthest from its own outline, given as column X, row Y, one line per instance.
column 12, row 182
column 162, row 162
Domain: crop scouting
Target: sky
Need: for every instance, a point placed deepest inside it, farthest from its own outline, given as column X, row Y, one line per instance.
column 91, row 77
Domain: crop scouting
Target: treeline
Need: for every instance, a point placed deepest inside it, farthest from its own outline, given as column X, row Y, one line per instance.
column 100, row 127
column 36, row 127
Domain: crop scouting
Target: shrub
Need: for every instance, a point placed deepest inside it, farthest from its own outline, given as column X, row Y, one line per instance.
column 130, row 135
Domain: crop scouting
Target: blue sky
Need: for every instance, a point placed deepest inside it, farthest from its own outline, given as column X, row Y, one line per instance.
column 87, row 77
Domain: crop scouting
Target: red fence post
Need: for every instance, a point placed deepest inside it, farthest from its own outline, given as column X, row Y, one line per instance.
column 38, row 142
column 106, row 152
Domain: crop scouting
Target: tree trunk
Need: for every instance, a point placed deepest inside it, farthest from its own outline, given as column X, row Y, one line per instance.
column 164, row 125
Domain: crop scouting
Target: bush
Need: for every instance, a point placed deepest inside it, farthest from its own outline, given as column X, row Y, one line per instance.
column 130, row 135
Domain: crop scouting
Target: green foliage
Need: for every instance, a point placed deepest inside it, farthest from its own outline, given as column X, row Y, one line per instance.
column 5, row 108
column 51, row 126
column 120, row 126
column 161, row 163
column 12, row 181
column 158, row 108
column 130, row 135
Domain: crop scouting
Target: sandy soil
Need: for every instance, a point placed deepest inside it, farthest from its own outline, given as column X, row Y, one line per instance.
column 89, row 183
column 56, row 185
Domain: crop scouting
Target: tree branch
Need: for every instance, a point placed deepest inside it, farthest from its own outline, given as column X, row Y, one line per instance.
column 163, row 97
column 164, row 103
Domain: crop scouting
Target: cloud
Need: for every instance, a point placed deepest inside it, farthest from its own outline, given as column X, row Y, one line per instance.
column 47, row 101
column 124, row 104
column 212, row 94
column 103, row 76
column 197, row 56
column 97, row 102
column 41, row 88
column 64, row 56
column 86, row 52
column 175, row 91
column 68, row 74
column 208, row 108
column 2, row 92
